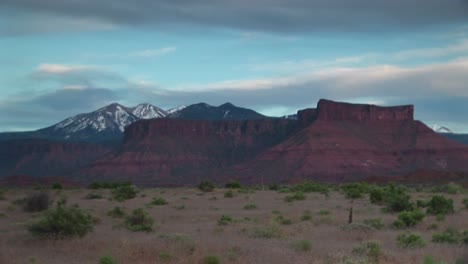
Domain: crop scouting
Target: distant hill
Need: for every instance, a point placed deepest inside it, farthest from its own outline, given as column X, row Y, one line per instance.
column 227, row 111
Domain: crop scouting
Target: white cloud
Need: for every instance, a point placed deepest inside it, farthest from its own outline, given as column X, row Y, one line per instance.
column 148, row 53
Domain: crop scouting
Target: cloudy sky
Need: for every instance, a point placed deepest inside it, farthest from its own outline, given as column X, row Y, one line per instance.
column 61, row 57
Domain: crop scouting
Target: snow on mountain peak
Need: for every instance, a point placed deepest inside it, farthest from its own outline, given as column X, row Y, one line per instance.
column 148, row 111
column 441, row 129
column 175, row 109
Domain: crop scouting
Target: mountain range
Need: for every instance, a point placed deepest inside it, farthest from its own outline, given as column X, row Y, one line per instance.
column 334, row 142
column 107, row 124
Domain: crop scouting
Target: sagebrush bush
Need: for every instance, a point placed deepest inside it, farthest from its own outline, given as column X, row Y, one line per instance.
column 296, row 196
column 228, row 194
column 139, row 220
column 63, row 221
column 465, row 202
column 408, row 219
column 107, row 259
column 117, row 212
column 107, row 184
column 394, row 197
column 269, row 231
column 410, row 241
column 370, row 249
column 124, row 192
column 159, row 201
column 302, row 245
column 211, row 259
column 250, row 207
column 356, row 190
column 309, row 186
column 225, row 220
column 93, row 195
column 57, row 186
column 206, row 186
column 375, row 223
column 450, row 235
column 439, row 205
column 306, row 216
column 35, row 202
column 233, row 185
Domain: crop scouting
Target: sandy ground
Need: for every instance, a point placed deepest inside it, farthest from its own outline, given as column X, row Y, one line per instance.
column 186, row 230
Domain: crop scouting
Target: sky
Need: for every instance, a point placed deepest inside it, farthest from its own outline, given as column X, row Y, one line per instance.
column 59, row 58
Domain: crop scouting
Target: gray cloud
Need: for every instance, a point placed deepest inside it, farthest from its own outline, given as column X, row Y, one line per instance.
column 438, row 92
column 258, row 15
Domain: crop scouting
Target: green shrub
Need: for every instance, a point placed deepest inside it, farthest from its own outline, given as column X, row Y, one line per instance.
column 398, row 202
column 355, row 190
column 2, row 195
column 250, row 207
column 375, row 223
column 233, row 185
column 465, row 203
column 370, row 249
column 376, row 195
column 117, row 212
column 269, row 231
column 465, row 237
column 139, row 220
column 35, row 202
column 296, row 196
column 306, row 216
column 439, row 205
column 323, row 212
column 309, row 186
column 225, row 220
column 228, row 194
column 107, row 259
column 395, row 198
column 57, row 186
column 124, row 192
column 63, row 221
column 408, row 219
column 430, row 260
column 410, row 241
column 159, row 201
column 450, row 235
column 302, row 245
column 450, row 188
column 211, row 259
column 107, row 184
column 206, row 186
column 93, row 195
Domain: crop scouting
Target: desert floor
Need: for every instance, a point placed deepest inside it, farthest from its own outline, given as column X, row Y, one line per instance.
column 186, row 230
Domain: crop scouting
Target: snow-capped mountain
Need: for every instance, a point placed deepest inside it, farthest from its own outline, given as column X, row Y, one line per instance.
column 175, row 109
column 106, row 123
column 148, row 111
column 441, row 129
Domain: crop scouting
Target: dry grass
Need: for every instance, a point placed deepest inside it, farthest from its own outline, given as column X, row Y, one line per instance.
column 186, row 230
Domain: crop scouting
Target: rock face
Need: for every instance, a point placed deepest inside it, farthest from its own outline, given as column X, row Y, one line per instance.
column 39, row 157
column 181, row 152
column 335, row 142
column 333, row 111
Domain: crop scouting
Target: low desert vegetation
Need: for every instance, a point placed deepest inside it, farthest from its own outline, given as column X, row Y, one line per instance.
column 391, row 224
column 158, row 201
column 139, row 221
column 63, row 221
column 206, row 186
column 124, row 192
column 410, row 240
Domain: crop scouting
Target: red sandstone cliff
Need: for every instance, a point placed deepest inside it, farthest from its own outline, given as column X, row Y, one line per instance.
column 334, row 142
